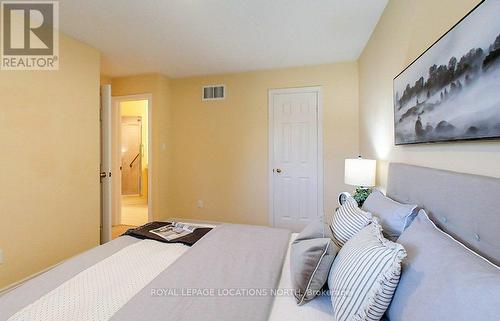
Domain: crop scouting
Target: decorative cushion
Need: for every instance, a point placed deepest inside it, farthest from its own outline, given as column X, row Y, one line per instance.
column 348, row 220
column 314, row 230
column 365, row 275
column 311, row 257
column 394, row 216
column 442, row 279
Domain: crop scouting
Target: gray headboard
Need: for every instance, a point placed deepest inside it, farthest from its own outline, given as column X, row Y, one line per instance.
column 464, row 205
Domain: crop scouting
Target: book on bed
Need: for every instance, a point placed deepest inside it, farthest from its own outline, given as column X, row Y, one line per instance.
column 174, row 231
column 170, row 232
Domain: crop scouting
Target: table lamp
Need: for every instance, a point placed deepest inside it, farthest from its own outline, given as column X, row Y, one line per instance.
column 360, row 172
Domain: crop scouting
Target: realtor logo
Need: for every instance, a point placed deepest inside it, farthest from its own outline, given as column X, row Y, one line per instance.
column 29, row 35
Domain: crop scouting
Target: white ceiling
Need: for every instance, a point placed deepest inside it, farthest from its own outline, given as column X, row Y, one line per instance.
column 182, row 38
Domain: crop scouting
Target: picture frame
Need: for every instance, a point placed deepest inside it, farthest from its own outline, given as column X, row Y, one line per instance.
column 449, row 93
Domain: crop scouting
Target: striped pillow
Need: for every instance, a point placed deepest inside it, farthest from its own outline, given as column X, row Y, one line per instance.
column 365, row 275
column 348, row 220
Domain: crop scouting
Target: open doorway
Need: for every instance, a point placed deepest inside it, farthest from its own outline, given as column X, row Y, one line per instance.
column 132, row 159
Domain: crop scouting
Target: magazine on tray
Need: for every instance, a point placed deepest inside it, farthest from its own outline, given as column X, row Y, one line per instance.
column 174, row 231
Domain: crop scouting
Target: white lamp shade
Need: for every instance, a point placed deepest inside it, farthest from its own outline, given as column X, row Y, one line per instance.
column 360, row 172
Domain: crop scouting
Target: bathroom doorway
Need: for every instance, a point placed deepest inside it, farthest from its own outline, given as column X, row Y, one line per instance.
column 132, row 158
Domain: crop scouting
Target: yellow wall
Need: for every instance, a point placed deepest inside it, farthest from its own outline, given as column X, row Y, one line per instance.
column 220, row 148
column 406, row 29
column 140, row 108
column 49, row 139
column 159, row 87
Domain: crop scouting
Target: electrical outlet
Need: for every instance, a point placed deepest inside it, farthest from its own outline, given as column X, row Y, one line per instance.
column 200, row 204
column 1, row 256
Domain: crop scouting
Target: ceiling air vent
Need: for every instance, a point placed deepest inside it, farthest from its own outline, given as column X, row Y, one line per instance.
column 214, row 92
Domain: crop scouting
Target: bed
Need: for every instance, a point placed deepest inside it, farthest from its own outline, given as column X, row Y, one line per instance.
column 131, row 279
column 283, row 307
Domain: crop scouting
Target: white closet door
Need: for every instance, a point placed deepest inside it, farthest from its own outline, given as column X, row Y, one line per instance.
column 295, row 161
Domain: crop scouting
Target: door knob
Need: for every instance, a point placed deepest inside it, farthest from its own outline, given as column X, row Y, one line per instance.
column 277, row 170
column 103, row 174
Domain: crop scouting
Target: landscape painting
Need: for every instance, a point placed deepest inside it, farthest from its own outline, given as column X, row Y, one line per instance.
column 452, row 91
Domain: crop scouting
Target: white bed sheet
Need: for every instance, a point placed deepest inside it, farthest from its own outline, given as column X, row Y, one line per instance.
column 286, row 309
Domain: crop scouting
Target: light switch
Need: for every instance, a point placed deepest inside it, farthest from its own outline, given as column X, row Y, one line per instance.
column 1, row 256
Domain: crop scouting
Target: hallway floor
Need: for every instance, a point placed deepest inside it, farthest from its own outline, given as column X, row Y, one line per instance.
column 134, row 210
column 134, row 213
column 118, row 230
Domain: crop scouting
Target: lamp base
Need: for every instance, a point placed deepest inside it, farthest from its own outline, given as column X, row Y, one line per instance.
column 361, row 194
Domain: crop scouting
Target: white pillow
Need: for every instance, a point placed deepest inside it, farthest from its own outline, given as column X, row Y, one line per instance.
column 348, row 220
column 365, row 275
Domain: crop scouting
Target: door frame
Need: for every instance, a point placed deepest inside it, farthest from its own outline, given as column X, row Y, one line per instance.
column 319, row 128
column 105, row 164
column 116, row 115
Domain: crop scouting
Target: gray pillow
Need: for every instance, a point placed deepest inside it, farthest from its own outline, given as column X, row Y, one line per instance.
column 311, row 256
column 314, row 230
column 393, row 216
column 443, row 280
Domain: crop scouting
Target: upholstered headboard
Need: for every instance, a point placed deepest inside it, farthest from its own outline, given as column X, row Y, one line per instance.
column 464, row 205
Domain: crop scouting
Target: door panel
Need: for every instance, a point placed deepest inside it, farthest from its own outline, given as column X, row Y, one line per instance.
column 294, row 160
column 106, row 181
column 131, row 155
